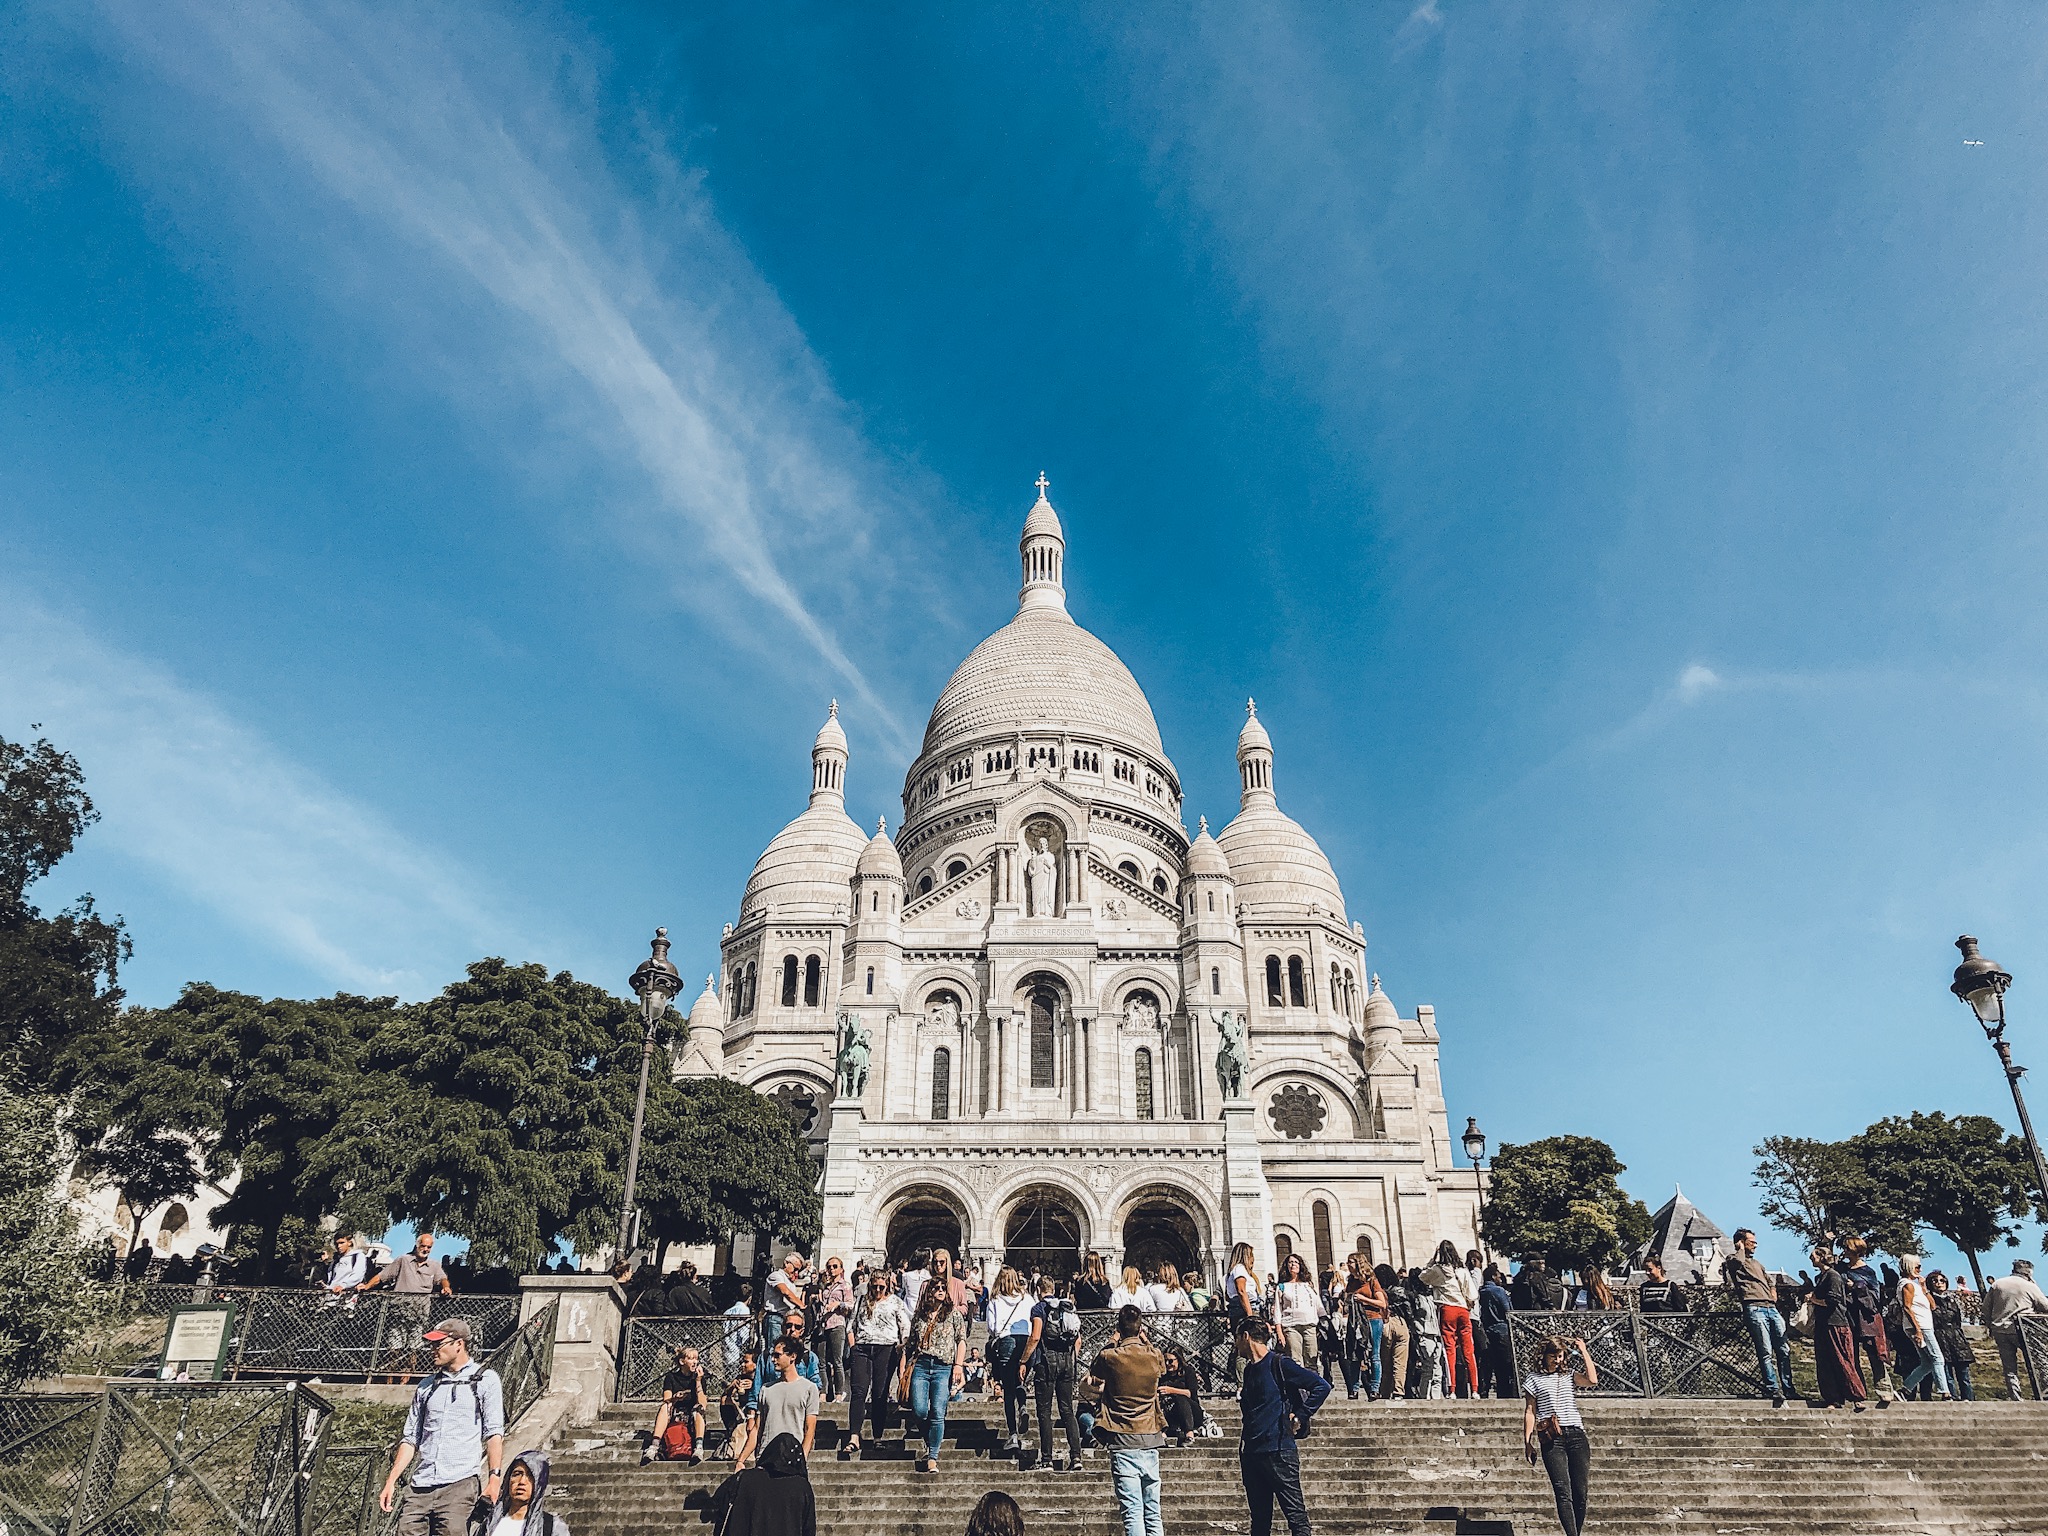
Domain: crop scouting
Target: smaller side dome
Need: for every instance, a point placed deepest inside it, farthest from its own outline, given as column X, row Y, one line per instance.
column 1253, row 737
column 1380, row 1012
column 704, row 1052
column 1205, row 858
column 879, row 860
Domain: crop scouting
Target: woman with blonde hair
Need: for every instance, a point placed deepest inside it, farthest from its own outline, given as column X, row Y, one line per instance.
column 1166, row 1293
column 1091, row 1286
column 1008, row 1313
column 1130, row 1292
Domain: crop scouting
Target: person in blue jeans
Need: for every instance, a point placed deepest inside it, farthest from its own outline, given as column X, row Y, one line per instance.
column 1758, row 1293
column 1131, row 1425
column 934, row 1366
column 1275, row 1403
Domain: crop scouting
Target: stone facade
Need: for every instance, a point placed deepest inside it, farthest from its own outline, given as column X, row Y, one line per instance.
column 1005, row 1028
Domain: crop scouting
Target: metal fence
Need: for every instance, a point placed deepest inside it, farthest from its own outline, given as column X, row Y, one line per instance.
column 281, row 1332
column 344, row 1493
column 147, row 1458
column 1650, row 1354
column 2034, row 1345
column 526, row 1361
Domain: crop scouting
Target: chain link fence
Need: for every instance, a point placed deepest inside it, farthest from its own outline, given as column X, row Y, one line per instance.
column 2034, row 1346
column 281, row 1332
column 1649, row 1354
column 236, row 1459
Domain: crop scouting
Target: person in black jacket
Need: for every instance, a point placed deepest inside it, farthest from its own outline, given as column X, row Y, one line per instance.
column 774, row 1497
column 1659, row 1293
column 1275, row 1403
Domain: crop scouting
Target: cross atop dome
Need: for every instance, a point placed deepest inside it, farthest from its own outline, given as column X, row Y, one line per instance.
column 1042, row 483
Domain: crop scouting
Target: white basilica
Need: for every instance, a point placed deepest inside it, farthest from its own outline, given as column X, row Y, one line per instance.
column 1044, row 1019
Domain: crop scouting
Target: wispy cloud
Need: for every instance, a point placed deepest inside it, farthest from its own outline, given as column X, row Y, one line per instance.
column 220, row 813
column 469, row 142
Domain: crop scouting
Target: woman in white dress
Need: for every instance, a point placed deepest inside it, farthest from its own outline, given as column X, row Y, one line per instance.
column 1131, row 1291
column 1298, row 1310
column 1167, row 1294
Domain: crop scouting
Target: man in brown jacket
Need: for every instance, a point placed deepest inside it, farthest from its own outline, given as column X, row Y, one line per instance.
column 1758, row 1293
column 1130, row 1423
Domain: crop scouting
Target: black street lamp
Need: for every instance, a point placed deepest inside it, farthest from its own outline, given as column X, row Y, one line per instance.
column 1475, row 1149
column 656, row 983
column 1980, row 983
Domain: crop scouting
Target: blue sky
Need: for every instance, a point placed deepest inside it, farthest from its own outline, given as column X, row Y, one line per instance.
column 448, row 459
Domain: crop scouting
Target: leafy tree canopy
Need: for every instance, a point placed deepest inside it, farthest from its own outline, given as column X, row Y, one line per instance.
column 1821, row 1191
column 46, row 1299
column 719, row 1158
column 500, row 1110
column 222, row 1083
column 59, row 976
column 1561, row 1198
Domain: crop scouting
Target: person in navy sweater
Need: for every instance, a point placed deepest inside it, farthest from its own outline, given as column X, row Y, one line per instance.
column 1275, row 1403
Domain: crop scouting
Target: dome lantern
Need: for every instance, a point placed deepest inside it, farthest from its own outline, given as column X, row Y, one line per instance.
column 1043, row 548
column 1255, row 759
column 828, row 761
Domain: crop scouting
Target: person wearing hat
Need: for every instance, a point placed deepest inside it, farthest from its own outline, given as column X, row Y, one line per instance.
column 454, row 1440
column 2006, row 1300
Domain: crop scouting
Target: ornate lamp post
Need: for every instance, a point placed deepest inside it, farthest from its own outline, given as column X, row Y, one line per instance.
column 656, row 984
column 1475, row 1149
column 1980, row 983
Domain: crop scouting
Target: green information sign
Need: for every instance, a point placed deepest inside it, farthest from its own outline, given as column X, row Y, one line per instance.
column 196, row 1341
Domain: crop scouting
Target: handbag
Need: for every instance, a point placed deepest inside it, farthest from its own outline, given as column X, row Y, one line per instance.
column 1803, row 1321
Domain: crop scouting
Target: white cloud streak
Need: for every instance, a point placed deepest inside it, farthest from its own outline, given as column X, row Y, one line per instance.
column 464, row 144
column 221, row 814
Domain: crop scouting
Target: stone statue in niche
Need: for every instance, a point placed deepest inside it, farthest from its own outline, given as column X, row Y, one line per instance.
column 1232, row 1064
column 1041, row 883
column 853, row 1057
column 945, row 1013
column 1141, row 1013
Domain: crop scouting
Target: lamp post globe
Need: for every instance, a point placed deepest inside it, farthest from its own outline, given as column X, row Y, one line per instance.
column 656, row 983
column 1981, row 984
column 1474, row 1140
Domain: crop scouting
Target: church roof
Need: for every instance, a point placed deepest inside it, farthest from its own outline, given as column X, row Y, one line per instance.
column 1204, row 856
column 879, row 858
column 1678, row 1231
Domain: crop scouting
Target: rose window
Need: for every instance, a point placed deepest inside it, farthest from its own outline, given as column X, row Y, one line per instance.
column 1298, row 1112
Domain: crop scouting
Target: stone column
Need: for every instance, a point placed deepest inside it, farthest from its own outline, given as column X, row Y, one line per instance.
column 841, row 1186
column 588, row 1331
column 1250, row 1197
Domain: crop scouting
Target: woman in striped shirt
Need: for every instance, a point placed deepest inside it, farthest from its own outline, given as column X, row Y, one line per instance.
column 1553, row 1431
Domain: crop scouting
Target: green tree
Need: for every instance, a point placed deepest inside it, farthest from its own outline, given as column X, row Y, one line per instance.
column 46, row 1297
column 220, row 1084
column 500, row 1110
column 1822, row 1192
column 1561, row 1197
column 719, row 1158
column 59, row 976
column 1962, row 1177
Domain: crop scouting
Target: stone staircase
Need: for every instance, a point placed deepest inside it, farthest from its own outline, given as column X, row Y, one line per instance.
column 1714, row 1467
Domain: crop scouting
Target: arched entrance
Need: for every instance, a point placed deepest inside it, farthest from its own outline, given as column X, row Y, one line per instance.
column 1043, row 1233
column 923, row 1219
column 1160, row 1229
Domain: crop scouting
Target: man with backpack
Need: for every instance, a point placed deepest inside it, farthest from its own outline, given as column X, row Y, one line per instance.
column 1049, row 1355
column 1276, row 1401
column 454, row 1440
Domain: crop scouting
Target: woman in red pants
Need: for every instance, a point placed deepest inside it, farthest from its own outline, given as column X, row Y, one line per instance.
column 1456, row 1293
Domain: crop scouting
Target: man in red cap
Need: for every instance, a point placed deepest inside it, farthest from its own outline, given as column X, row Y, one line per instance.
column 454, row 1440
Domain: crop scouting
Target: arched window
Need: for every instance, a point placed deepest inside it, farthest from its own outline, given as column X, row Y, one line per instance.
column 811, row 969
column 1273, row 997
column 1350, row 993
column 1215, row 981
column 1212, row 901
column 1297, row 986
column 1144, row 1077
column 1044, row 1045
column 924, row 884
column 1336, row 988
column 789, row 981
column 1159, row 883
column 871, row 981
column 956, row 869
column 747, row 1002
column 1365, row 1245
column 1326, row 1254
column 874, row 901
column 1126, row 867
column 1283, row 1245
column 942, row 1084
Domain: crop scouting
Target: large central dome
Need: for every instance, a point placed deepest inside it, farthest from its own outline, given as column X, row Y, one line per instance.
column 1042, row 670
